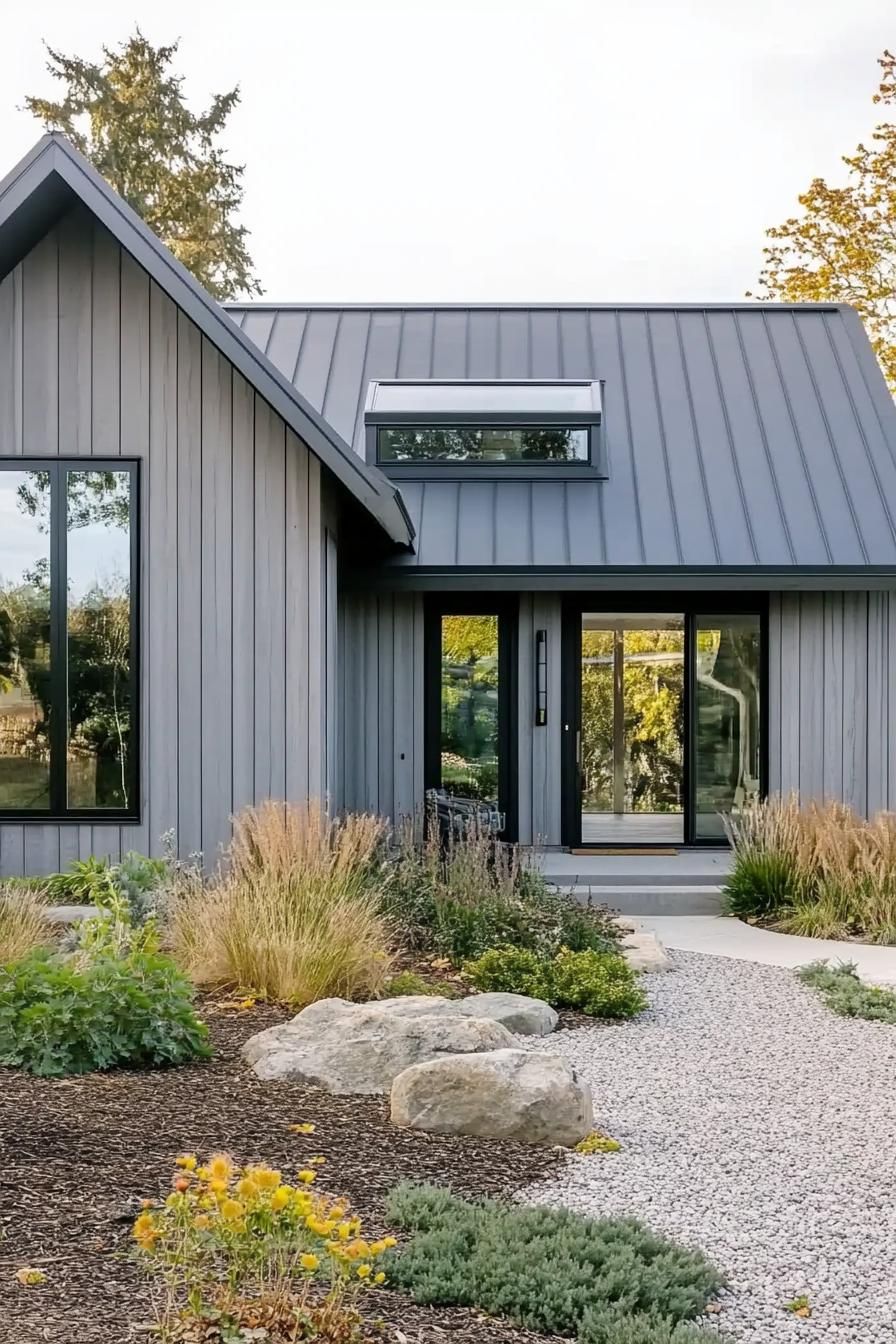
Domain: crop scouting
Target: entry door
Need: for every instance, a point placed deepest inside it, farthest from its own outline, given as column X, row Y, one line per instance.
column 663, row 724
column 630, row 743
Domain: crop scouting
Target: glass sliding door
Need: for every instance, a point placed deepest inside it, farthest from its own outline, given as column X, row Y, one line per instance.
column 630, row 747
column 727, row 718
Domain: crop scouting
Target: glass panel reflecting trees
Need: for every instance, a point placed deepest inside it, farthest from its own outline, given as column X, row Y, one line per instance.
column 98, row 639
column 727, row 718
column 456, row 443
column 631, row 748
column 66, row 674
column 469, row 718
column 24, row 641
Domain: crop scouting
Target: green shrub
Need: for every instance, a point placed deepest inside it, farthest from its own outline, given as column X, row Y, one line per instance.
column 71, row 1014
column 601, row 984
column 846, row 994
column 512, row 970
column 550, row 1270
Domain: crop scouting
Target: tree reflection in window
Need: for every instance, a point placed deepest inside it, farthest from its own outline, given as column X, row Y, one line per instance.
column 98, row 639
column 24, row 646
column 65, row 727
column 469, row 712
column 457, row 443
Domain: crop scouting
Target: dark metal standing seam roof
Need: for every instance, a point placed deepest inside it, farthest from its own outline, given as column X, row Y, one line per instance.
column 740, row 437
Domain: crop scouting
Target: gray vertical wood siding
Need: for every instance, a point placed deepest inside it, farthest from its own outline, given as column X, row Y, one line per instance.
column 237, row 566
column 832, row 697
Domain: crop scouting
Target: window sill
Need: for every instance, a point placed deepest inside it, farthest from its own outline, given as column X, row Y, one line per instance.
column 510, row 471
column 69, row 819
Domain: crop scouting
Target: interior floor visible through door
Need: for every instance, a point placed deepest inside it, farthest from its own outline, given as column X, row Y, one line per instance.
column 632, row 828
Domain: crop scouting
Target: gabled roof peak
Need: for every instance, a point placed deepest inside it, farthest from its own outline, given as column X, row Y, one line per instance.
column 51, row 177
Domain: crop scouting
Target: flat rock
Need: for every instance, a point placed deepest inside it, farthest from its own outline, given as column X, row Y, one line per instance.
column 506, row 1094
column 645, row 952
column 363, row 1050
column 69, row 914
column 517, row 1012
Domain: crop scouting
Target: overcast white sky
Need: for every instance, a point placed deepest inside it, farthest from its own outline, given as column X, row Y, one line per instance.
column 423, row 150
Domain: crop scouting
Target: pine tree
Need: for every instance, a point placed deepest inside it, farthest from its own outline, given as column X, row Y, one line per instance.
column 127, row 114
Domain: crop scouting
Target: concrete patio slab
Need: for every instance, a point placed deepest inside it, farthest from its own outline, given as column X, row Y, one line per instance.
column 722, row 936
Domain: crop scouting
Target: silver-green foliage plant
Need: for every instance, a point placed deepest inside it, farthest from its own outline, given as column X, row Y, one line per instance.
column 600, row 1281
column 846, row 994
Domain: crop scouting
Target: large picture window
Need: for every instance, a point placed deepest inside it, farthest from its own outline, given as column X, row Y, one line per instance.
column 68, row 698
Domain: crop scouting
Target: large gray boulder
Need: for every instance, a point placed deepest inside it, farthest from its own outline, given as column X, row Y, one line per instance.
column 516, row 1012
column 363, row 1050
column 507, row 1094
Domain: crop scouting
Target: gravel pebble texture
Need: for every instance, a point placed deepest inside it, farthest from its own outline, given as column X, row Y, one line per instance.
column 759, row 1126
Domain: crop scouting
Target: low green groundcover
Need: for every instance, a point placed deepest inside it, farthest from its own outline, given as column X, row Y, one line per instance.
column 605, row 1281
column 846, row 994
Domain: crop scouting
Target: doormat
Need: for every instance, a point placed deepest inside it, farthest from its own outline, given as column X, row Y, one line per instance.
column 600, row 852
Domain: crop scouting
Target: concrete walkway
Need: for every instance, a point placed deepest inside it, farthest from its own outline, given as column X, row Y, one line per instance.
column 726, row 937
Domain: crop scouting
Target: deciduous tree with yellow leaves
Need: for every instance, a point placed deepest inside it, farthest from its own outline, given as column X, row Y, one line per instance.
column 842, row 248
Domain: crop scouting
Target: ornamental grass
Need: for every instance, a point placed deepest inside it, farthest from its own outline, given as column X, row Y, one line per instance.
column 24, row 926
column 294, row 913
column 239, row 1249
column 816, row 869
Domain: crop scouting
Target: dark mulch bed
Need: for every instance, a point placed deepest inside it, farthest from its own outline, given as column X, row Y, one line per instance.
column 76, row 1153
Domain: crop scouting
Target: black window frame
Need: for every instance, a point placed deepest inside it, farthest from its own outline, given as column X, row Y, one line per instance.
column 592, row 468
column 506, row 608
column 59, row 811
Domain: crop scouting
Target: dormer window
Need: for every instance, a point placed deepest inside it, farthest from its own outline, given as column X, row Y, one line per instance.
column 494, row 430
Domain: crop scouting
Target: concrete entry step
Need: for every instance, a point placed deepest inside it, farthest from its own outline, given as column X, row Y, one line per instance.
column 644, row 902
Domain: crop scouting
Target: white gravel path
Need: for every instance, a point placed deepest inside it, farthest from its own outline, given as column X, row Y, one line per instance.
column 757, row 1125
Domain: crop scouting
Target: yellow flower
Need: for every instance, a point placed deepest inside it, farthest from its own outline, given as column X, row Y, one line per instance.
column 363, row 1271
column 232, row 1209
column 309, row 1262
column 265, row 1178
column 187, row 1161
column 247, row 1003
column 305, row 1128
column 203, row 1173
column 144, row 1225
column 316, row 1161
column 246, row 1188
column 389, row 1242
column 344, row 1231
column 358, row 1248
column 217, row 1186
column 379, row 1278
column 281, row 1197
column 202, row 1221
column 30, row 1278
column 220, row 1167
column 306, row 1176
